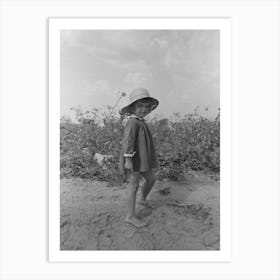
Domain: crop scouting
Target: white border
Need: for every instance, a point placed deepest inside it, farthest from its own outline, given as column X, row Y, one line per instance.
column 55, row 25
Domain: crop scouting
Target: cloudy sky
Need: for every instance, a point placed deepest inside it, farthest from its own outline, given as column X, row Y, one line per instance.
column 178, row 67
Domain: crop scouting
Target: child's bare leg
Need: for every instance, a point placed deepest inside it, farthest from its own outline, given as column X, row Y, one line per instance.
column 134, row 185
column 133, row 188
column 149, row 182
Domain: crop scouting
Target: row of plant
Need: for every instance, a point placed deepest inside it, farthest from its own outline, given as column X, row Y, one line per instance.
column 183, row 143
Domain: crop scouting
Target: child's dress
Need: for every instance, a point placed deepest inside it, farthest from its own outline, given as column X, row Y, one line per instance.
column 138, row 144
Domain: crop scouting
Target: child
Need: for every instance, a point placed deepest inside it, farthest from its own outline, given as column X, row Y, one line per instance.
column 138, row 155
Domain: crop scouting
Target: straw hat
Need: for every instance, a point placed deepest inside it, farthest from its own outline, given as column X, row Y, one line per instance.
column 135, row 95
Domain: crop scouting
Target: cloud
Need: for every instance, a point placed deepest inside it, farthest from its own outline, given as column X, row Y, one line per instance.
column 136, row 79
column 161, row 43
column 101, row 86
column 171, row 63
column 85, row 86
column 69, row 38
column 186, row 98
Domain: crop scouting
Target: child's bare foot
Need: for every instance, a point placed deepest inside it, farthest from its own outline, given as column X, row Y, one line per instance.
column 146, row 203
column 134, row 221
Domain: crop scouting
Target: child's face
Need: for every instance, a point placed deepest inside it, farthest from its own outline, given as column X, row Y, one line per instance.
column 142, row 108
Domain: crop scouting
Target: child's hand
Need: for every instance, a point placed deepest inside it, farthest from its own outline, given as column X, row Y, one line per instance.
column 128, row 164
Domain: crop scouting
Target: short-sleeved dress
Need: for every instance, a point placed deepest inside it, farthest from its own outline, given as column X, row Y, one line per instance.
column 138, row 144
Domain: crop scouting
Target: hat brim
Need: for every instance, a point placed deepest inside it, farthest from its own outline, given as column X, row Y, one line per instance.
column 127, row 110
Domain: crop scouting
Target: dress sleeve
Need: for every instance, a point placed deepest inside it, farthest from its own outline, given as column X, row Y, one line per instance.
column 129, row 138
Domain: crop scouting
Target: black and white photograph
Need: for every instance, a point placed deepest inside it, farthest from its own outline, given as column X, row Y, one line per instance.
column 139, row 140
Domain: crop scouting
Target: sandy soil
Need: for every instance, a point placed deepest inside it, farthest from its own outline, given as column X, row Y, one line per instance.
column 186, row 216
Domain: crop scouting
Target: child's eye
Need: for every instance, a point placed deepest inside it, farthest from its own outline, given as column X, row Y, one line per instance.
column 141, row 106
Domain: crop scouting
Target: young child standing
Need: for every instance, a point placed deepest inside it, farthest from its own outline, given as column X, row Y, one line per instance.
column 138, row 155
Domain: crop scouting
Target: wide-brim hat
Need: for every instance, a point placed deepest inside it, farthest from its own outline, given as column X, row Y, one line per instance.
column 138, row 94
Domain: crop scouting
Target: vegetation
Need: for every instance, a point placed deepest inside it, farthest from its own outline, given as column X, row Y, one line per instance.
column 183, row 143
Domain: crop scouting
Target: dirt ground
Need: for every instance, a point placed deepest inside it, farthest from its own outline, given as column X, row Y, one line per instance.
column 186, row 216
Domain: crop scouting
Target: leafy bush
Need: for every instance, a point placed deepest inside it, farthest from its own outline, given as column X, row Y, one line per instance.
column 183, row 143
